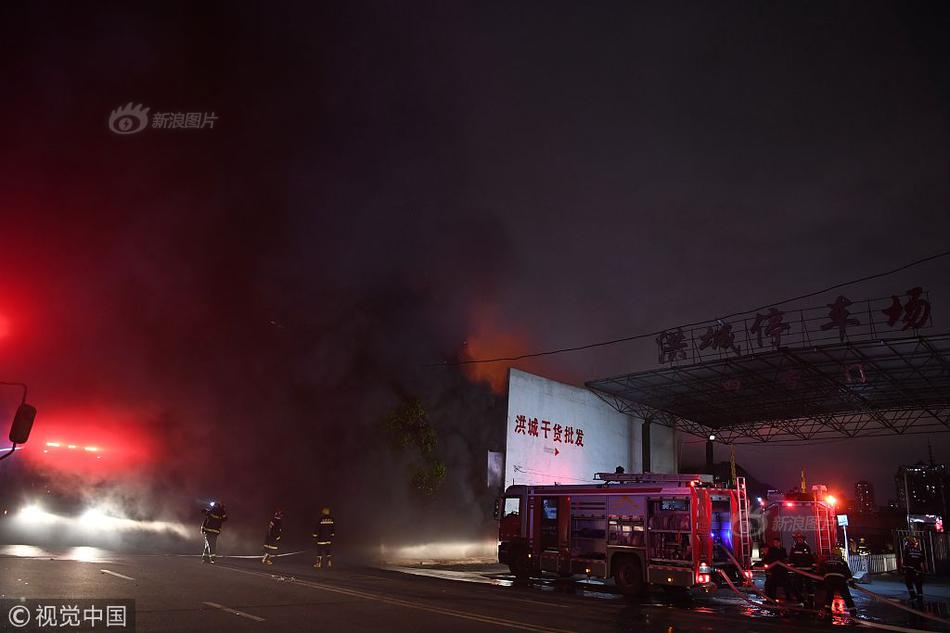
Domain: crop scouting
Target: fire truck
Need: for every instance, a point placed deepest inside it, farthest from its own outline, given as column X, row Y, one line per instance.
column 637, row 529
column 812, row 514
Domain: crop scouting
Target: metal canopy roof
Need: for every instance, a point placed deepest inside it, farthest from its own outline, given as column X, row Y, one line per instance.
column 854, row 389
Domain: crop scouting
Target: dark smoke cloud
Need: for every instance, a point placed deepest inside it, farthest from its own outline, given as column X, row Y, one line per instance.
column 258, row 295
column 261, row 293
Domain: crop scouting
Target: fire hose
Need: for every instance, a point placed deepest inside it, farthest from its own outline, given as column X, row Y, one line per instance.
column 872, row 595
column 886, row 627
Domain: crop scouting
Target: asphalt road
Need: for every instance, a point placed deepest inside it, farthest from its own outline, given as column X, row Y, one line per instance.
column 178, row 594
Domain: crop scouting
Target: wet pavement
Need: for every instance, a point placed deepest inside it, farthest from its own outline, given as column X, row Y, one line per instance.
column 178, row 593
column 881, row 610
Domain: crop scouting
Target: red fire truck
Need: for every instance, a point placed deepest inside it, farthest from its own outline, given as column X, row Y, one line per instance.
column 812, row 514
column 638, row 529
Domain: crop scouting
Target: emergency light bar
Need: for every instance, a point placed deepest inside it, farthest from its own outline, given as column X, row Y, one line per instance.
column 90, row 449
column 73, row 447
column 649, row 478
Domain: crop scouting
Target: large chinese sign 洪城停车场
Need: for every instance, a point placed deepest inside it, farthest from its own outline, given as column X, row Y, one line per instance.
column 838, row 321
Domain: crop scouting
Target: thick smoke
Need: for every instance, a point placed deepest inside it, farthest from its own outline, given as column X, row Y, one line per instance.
column 262, row 378
column 246, row 302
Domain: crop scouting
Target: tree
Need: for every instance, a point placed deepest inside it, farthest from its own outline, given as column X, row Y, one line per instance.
column 407, row 426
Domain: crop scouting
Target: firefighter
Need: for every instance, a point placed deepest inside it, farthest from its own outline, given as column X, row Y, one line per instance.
column 835, row 572
column 324, row 533
column 215, row 516
column 776, row 575
column 272, row 537
column 912, row 562
column 800, row 557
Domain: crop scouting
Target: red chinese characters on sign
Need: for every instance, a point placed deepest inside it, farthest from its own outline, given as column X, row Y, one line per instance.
column 914, row 314
column 672, row 346
column 840, row 317
column 769, row 325
column 720, row 337
column 520, row 422
column 545, row 427
column 548, row 430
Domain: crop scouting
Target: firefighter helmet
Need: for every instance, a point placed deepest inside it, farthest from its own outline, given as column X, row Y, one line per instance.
column 325, row 512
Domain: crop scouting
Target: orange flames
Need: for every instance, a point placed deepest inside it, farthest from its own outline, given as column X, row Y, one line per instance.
column 491, row 338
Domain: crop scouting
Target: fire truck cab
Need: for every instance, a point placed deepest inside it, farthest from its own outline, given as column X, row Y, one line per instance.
column 638, row 529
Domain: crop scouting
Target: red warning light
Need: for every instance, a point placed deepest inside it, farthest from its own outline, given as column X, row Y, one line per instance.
column 789, row 504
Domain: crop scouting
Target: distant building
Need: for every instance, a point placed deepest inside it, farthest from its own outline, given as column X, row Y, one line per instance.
column 927, row 485
column 864, row 497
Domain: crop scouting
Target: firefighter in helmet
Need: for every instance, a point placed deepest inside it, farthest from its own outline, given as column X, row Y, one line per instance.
column 215, row 516
column 801, row 558
column 324, row 533
column 912, row 562
column 272, row 537
column 836, row 574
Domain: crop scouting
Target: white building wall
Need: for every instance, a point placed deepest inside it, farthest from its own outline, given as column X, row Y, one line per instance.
column 609, row 438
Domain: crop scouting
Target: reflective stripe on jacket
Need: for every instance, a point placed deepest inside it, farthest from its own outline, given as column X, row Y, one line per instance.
column 213, row 521
column 325, row 531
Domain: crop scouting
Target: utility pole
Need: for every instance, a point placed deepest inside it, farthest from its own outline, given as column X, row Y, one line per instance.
column 907, row 500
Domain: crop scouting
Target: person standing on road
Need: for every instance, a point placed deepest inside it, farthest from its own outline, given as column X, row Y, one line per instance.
column 776, row 575
column 836, row 573
column 801, row 558
column 913, row 562
column 215, row 516
column 324, row 533
column 272, row 537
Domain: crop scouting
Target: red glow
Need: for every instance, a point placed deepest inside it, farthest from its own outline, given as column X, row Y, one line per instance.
column 487, row 342
column 89, row 442
column 4, row 326
column 496, row 335
column 789, row 504
column 831, row 500
column 838, row 606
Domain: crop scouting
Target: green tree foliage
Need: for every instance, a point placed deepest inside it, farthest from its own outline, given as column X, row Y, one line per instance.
column 407, row 426
column 426, row 479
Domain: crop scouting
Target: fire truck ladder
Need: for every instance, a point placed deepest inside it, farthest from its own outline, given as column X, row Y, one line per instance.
column 824, row 532
column 745, row 539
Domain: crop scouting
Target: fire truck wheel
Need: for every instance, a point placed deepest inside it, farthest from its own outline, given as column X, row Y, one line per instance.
column 628, row 575
column 520, row 565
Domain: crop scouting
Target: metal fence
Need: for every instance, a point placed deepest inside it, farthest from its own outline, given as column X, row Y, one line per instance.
column 872, row 563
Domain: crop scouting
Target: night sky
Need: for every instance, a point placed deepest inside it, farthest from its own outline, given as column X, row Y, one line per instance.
column 391, row 184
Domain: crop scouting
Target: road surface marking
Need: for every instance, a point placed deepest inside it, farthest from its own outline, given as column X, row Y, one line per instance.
column 233, row 611
column 541, row 602
column 465, row 615
column 116, row 574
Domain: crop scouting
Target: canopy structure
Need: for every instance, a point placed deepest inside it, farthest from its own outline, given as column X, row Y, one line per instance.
column 854, row 389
